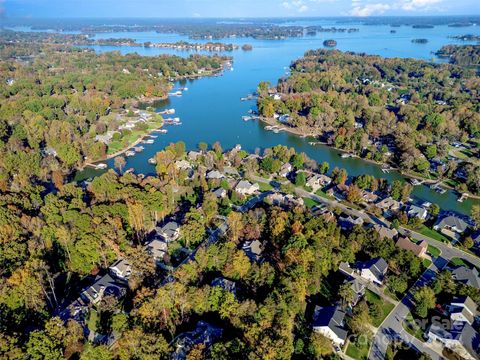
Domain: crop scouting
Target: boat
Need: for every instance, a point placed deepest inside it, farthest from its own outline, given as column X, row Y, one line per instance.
column 161, row 131
column 313, row 143
column 130, row 171
column 141, row 176
column 440, row 190
column 167, row 112
column 426, row 204
column 149, row 141
column 416, row 182
column 153, row 136
column 138, row 149
column 346, row 156
column 175, row 93
column 246, row 118
column 101, row 166
column 152, row 161
column 276, row 130
column 129, row 153
column 463, row 197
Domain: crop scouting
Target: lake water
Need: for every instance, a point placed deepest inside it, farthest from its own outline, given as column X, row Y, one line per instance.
column 211, row 109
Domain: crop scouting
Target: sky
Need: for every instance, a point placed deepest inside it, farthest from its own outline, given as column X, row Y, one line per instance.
column 234, row 8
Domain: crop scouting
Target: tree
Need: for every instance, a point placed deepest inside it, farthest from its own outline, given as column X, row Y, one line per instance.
column 354, row 194
column 119, row 163
column 476, row 215
column 100, row 352
column 319, row 346
column 346, row 293
column 300, row 179
column 324, row 167
column 425, row 300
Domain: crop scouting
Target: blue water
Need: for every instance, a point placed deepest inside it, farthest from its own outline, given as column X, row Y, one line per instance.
column 211, row 110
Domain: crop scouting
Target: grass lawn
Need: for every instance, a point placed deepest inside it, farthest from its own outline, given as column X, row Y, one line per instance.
column 323, row 194
column 412, row 328
column 459, row 262
column 358, row 351
column 386, row 307
column 433, row 251
column 309, row 202
column 92, row 320
column 265, row 186
column 433, row 234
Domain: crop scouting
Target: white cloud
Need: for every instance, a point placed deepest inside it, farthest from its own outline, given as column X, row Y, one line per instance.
column 302, row 6
column 412, row 5
column 369, row 9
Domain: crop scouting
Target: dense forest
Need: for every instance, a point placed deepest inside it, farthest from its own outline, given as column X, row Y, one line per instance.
column 467, row 55
column 405, row 112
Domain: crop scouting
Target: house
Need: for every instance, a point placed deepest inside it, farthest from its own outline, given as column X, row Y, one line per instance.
column 285, row 170
column 419, row 249
column 369, row 197
column 253, row 250
column 204, row 333
column 215, row 175
column 385, row 232
column 451, row 226
column 338, row 191
column 389, row 206
column 329, row 321
column 348, row 222
column 103, row 286
column 228, row 170
column 463, row 309
column 183, row 165
column 467, row 276
column 121, row 269
column 374, row 270
column 169, row 232
column 244, row 187
column 220, row 193
column 358, row 288
column 345, row 268
column 158, row 249
column 317, row 182
column 283, row 200
column 225, row 284
column 193, row 155
column 417, row 211
column 460, row 337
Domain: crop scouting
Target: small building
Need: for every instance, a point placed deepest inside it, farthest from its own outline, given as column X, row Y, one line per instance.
column 215, row 175
column 253, row 250
column 419, row 249
column 245, row 187
column 329, row 321
column 169, row 232
column 103, row 286
column 467, row 276
column 374, row 270
column 157, row 248
column 204, row 333
column 417, row 211
column 121, row 269
column 460, row 337
column 220, row 193
column 385, row 232
column 451, row 226
column 463, row 309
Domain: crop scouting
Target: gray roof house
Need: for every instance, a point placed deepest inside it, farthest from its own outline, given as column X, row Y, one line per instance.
column 463, row 309
column 204, row 333
column 374, row 270
column 215, row 174
column 451, row 225
column 467, row 276
column 169, row 232
column 225, row 284
column 244, row 187
column 253, row 250
column 121, row 269
column 459, row 337
column 220, row 193
column 329, row 321
column 417, row 211
column 385, row 232
column 348, row 222
column 103, row 286
column 358, row 288
column 157, row 248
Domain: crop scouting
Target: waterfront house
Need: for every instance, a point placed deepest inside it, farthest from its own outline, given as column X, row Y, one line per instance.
column 374, row 270
column 316, row 182
column 389, row 206
column 103, row 286
column 169, row 232
column 253, row 250
column 285, row 170
column 329, row 321
column 417, row 211
column 385, row 232
column 460, row 337
column 451, row 226
column 204, row 334
column 369, row 197
column 244, row 187
column 419, row 249
column 467, row 276
column 463, row 309
column 193, row 155
column 121, row 269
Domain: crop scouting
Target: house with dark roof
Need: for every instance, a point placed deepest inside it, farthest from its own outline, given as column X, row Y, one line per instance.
column 205, row 334
column 460, row 337
column 419, row 248
column 349, row 222
column 451, row 226
column 103, row 286
column 169, row 232
column 374, row 270
column 329, row 321
column 467, row 276
column 225, row 284
column 220, row 193
column 253, row 250
column 121, row 269
column 463, row 309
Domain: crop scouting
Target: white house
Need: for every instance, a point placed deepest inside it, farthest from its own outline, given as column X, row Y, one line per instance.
column 121, row 269
column 244, row 187
column 374, row 270
column 463, row 309
column 329, row 321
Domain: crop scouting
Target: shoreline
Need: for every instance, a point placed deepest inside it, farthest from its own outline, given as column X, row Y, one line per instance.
column 304, row 134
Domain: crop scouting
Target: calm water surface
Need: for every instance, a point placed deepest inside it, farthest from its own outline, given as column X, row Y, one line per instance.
column 211, row 109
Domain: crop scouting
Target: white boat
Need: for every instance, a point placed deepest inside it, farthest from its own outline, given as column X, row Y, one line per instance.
column 101, row 166
column 148, row 141
column 175, row 93
column 138, row 149
column 152, row 161
column 129, row 153
column 246, row 118
column 167, row 112
column 426, row 204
